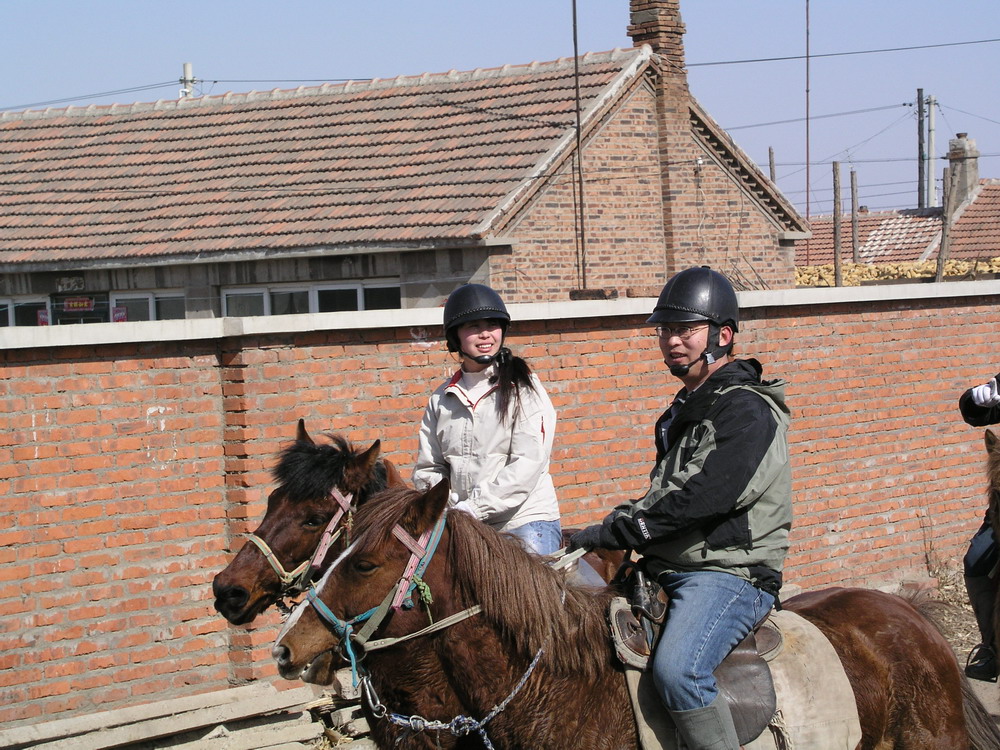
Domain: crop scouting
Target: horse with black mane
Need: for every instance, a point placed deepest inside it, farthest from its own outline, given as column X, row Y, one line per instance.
column 526, row 655
column 319, row 485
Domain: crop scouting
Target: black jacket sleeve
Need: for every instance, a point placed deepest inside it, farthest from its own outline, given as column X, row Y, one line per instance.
column 978, row 416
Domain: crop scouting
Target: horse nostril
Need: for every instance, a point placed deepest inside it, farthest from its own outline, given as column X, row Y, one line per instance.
column 281, row 654
column 231, row 597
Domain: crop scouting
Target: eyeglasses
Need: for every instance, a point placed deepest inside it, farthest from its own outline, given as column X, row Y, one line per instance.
column 681, row 332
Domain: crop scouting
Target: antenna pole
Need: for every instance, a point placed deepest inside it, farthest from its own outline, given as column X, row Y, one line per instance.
column 187, row 82
column 579, row 158
column 808, row 186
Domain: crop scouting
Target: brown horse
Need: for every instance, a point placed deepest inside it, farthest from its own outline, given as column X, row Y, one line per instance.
column 532, row 666
column 314, row 479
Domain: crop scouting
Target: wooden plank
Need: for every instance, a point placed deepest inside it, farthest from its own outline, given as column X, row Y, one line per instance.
column 185, row 722
column 268, row 737
column 52, row 730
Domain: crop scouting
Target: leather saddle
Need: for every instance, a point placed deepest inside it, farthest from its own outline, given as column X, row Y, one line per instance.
column 744, row 677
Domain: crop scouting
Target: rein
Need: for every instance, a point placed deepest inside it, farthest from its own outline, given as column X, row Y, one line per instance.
column 295, row 581
column 421, row 552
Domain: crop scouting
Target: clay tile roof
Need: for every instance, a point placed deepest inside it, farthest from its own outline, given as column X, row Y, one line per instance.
column 411, row 161
column 910, row 235
column 976, row 232
column 883, row 237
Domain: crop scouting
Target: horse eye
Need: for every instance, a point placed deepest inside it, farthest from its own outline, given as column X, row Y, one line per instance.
column 315, row 521
column 364, row 566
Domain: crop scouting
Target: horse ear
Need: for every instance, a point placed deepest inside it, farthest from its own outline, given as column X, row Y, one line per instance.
column 301, row 435
column 991, row 440
column 432, row 504
column 367, row 459
column 392, row 476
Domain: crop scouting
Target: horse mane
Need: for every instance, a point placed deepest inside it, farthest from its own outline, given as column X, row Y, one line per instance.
column 308, row 470
column 530, row 604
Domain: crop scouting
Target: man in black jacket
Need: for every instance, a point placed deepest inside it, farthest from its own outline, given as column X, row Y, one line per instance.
column 713, row 527
column 980, row 406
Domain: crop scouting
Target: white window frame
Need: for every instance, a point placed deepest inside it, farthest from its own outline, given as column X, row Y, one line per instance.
column 12, row 302
column 261, row 290
column 313, row 291
column 359, row 297
column 151, row 298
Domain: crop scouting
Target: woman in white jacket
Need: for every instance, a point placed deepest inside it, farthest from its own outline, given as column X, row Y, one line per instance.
column 490, row 428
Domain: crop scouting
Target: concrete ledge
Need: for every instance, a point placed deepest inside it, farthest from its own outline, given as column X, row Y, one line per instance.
column 97, row 334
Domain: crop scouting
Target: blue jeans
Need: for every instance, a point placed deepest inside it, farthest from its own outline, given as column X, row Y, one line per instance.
column 709, row 614
column 541, row 537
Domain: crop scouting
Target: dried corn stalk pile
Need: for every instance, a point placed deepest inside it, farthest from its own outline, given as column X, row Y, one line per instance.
column 855, row 274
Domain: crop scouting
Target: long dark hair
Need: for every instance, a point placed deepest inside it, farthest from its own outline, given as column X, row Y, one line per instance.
column 512, row 374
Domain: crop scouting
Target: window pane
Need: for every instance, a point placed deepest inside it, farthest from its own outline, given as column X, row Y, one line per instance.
column 382, row 298
column 336, row 300
column 289, row 303
column 169, row 308
column 136, row 308
column 4, row 314
column 26, row 313
column 242, row 305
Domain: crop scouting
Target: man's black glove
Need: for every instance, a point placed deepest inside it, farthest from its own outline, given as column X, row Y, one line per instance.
column 590, row 537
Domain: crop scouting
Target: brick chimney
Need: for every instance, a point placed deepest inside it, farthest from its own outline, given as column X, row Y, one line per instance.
column 963, row 163
column 658, row 23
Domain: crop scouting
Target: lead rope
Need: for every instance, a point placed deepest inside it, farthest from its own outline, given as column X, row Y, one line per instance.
column 460, row 726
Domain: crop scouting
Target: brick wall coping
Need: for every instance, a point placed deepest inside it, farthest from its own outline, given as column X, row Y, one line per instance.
column 95, row 334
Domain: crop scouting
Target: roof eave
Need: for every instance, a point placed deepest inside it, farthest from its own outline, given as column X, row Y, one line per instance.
column 249, row 255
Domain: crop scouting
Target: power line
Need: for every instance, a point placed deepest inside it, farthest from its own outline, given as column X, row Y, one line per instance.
column 821, row 117
column 840, row 54
column 970, row 114
column 151, row 86
column 90, row 96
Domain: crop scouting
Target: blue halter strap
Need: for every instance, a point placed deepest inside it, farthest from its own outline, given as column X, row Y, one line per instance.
column 421, row 553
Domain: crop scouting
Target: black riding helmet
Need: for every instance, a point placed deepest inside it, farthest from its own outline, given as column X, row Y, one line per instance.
column 472, row 302
column 699, row 294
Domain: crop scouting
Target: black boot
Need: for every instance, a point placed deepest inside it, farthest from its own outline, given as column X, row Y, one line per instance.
column 982, row 664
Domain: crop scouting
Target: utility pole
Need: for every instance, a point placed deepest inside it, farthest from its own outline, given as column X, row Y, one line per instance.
column 921, row 154
column 855, row 249
column 931, row 181
column 188, row 81
column 838, row 273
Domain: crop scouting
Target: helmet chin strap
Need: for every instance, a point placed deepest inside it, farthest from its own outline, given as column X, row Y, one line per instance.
column 679, row 371
column 713, row 352
column 483, row 359
column 487, row 359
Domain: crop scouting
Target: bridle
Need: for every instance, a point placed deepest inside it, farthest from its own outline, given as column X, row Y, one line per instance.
column 400, row 595
column 296, row 580
column 355, row 645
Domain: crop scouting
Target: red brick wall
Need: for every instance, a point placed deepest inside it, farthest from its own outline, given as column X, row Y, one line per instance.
column 656, row 201
column 129, row 470
column 624, row 227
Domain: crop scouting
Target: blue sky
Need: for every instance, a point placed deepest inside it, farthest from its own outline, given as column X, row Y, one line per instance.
column 70, row 52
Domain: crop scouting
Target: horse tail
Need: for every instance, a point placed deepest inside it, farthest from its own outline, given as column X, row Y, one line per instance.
column 979, row 724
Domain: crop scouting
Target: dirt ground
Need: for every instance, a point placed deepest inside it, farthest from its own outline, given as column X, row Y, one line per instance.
column 955, row 616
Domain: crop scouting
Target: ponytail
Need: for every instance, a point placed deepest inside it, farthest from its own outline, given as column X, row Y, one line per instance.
column 513, row 374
